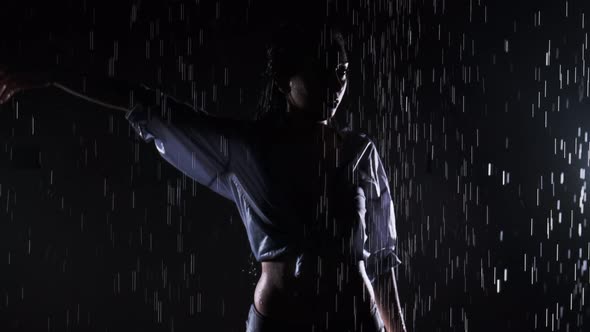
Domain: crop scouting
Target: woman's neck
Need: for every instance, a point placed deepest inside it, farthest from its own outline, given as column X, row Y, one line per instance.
column 299, row 118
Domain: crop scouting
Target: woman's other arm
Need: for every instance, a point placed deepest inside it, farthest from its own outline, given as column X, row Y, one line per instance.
column 387, row 300
column 381, row 241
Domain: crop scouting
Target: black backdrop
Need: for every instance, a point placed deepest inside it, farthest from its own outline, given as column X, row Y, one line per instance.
column 479, row 108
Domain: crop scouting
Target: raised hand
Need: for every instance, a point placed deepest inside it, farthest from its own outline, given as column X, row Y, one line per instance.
column 12, row 82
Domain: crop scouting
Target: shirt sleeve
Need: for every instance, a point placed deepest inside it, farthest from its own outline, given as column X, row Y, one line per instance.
column 192, row 141
column 380, row 245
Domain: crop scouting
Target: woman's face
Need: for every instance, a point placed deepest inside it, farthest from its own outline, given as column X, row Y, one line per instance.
column 317, row 89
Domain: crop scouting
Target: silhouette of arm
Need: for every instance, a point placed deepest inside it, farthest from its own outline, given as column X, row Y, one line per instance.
column 112, row 93
column 193, row 141
column 196, row 143
column 201, row 146
column 381, row 240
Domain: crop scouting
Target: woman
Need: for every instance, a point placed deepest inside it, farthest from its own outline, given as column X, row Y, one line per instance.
column 314, row 199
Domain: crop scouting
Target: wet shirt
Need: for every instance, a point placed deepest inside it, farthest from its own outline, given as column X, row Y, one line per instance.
column 297, row 190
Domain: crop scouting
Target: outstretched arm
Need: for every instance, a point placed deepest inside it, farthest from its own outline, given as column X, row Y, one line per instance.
column 108, row 92
column 13, row 81
column 194, row 142
column 113, row 93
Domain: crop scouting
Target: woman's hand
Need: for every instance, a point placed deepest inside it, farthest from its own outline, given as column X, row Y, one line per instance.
column 12, row 82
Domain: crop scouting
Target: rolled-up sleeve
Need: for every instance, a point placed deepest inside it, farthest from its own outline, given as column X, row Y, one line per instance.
column 380, row 245
column 192, row 141
column 138, row 119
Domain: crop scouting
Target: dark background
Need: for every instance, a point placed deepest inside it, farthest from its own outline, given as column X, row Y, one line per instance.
column 480, row 109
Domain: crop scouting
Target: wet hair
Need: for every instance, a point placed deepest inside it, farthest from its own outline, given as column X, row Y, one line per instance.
column 287, row 50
